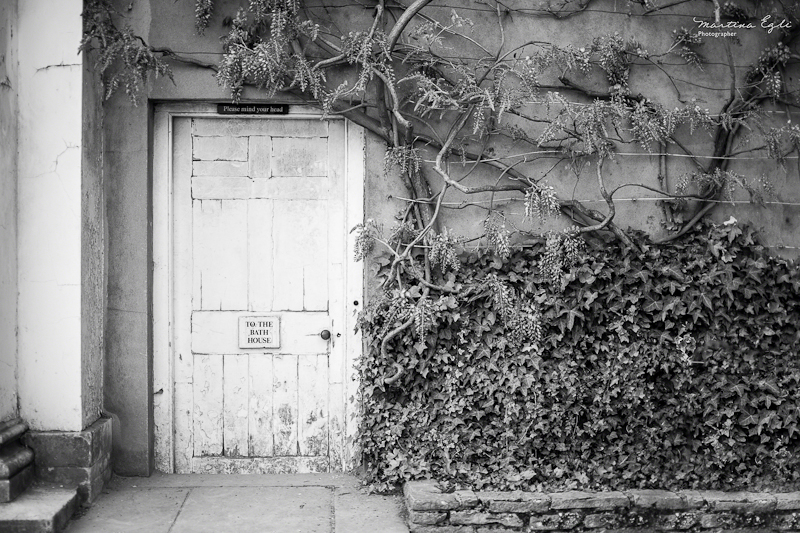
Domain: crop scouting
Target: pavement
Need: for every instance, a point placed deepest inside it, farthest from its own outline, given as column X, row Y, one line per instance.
column 240, row 503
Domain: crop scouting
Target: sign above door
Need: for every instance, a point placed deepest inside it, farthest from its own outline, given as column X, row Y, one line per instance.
column 252, row 109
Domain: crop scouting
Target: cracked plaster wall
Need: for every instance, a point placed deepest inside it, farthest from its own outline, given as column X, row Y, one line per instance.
column 60, row 229
column 8, row 211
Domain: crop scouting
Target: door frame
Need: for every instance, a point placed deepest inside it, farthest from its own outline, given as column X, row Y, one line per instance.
column 163, row 253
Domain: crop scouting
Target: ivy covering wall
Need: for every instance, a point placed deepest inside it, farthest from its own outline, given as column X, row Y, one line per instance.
column 675, row 368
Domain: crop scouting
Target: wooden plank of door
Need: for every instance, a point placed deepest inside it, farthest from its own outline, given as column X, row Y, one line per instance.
column 260, row 409
column 284, row 404
column 279, row 127
column 207, row 399
column 235, row 391
column 293, row 157
column 260, row 156
column 181, row 279
column 260, row 255
column 300, row 257
column 220, row 254
column 220, row 168
column 220, row 148
column 313, row 413
column 337, row 233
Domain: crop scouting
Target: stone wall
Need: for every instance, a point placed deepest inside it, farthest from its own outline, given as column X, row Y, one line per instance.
column 430, row 510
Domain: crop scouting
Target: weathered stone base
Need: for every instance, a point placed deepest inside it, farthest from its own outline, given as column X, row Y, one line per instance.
column 80, row 458
column 432, row 511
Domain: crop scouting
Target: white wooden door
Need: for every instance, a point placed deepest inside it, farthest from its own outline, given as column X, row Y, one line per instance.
column 258, row 273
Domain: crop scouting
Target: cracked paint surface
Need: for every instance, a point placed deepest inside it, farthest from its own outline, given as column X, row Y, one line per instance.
column 259, row 243
column 60, row 222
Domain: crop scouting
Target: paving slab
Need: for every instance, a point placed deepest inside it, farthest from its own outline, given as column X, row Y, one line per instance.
column 129, row 511
column 257, row 509
column 359, row 513
column 197, row 503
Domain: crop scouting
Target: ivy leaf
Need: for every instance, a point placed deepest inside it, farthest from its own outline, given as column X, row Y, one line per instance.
column 706, row 301
column 673, row 272
column 571, row 315
column 652, row 305
column 590, row 297
column 739, row 389
column 748, row 419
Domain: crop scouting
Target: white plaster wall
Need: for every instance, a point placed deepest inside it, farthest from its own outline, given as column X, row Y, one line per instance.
column 8, row 210
column 49, row 214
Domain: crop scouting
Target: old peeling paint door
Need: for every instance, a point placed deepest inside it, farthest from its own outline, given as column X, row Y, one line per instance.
column 259, row 243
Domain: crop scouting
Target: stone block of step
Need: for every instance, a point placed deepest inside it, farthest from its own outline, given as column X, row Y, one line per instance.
column 15, row 485
column 41, row 509
column 13, row 458
column 11, row 430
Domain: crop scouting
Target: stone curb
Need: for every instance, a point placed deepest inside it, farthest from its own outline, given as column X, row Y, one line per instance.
column 430, row 510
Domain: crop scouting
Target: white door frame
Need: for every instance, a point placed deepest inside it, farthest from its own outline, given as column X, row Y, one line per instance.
column 163, row 254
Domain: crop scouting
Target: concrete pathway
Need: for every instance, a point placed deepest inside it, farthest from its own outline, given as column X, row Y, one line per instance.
column 299, row 503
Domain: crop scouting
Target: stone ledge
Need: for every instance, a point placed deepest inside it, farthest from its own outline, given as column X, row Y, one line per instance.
column 432, row 510
column 588, row 500
column 426, row 496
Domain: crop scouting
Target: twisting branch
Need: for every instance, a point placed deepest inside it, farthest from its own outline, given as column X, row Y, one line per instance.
column 400, row 26
column 612, row 210
column 384, row 353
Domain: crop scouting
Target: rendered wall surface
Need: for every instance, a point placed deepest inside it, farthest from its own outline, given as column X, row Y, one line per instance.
column 60, row 231
column 8, row 210
column 128, row 369
column 165, row 23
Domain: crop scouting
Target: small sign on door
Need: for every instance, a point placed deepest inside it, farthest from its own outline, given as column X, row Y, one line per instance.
column 259, row 332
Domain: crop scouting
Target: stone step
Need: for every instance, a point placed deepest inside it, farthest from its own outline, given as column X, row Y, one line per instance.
column 11, row 430
column 13, row 458
column 16, row 461
column 41, row 509
column 15, row 485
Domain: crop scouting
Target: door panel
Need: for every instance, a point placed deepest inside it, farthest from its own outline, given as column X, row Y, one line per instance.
column 258, row 230
column 219, row 255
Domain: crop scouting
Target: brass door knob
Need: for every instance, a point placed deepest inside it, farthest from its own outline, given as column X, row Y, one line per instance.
column 325, row 334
